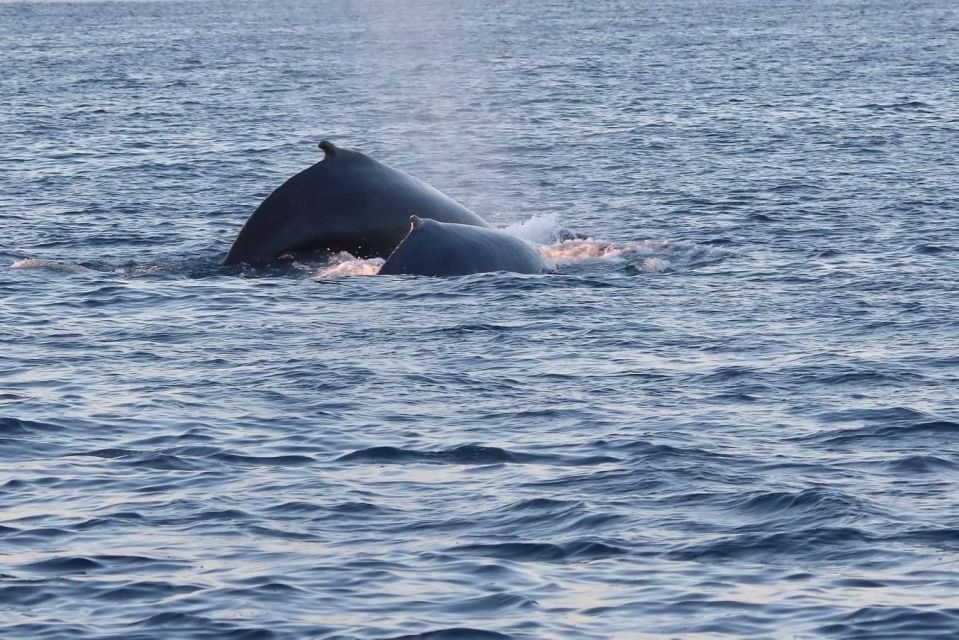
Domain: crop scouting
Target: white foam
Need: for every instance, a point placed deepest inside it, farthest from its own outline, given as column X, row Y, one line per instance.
column 134, row 270
column 589, row 250
column 49, row 265
column 651, row 265
column 344, row 264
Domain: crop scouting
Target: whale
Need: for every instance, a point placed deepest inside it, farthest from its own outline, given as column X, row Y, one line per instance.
column 434, row 248
column 345, row 202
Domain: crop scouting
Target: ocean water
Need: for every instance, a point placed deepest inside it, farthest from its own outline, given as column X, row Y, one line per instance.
column 733, row 411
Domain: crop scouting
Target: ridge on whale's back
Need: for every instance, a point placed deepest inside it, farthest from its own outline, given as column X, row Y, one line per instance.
column 346, row 202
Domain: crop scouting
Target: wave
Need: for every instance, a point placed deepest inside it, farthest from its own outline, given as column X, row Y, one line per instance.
column 928, row 431
column 15, row 426
column 146, row 591
column 816, row 501
column 61, row 566
column 920, row 465
column 827, row 544
column 466, row 455
column 784, row 510
column 490, row 603
column 574, row 551
column 455, row 633
column 190, row 458
column 894, row 622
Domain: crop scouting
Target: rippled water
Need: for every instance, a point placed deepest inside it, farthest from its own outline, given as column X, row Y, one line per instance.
column 733, row 412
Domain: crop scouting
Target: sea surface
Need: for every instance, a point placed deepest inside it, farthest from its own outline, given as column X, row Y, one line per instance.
column 731, row 410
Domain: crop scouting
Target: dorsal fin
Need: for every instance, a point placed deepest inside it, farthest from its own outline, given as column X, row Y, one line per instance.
column 329, row 149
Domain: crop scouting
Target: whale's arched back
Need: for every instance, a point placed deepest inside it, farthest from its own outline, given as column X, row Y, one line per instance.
column 346, row 202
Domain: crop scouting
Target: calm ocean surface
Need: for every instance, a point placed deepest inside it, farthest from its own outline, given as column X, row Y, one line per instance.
column 734, row 412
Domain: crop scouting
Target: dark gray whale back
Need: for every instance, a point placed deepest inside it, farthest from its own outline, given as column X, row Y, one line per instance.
column 435, row 248
column 345, row 202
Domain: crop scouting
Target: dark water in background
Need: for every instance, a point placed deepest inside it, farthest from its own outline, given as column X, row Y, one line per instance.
column 741, row 418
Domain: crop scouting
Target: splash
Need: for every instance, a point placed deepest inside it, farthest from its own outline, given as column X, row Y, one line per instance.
column 540, row 229
column 344, row 264
column 545, row 231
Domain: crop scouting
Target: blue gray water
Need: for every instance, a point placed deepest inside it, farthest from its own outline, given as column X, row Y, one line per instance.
column 732, row 413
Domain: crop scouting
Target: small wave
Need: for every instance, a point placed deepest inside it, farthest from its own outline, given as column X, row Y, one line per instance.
column 903, row 105
column 344, row 265
column 358, row 507
column 107, row 453
column 144, row 459
column 932, row 430
column 822, row 543
column 295, row 507
column 933, row 249
column 270, row 588
column 457, row 633
column 471, row 328
column 145, row 591
column 268, row 461
column 810, row 504
column 111, row 520
column 575, row 551
column 541, row 503
column 24, row 595
column 174, row 619
column 60, row 566
column 894, row 622
column 275, row 532
column 32, row 537
column 491, row 603
column 178, row 624
column 15, row 426
column 940, row 538
column 920, row 465
column 49, row 265
column 184, row 458
column 466, row 455
column 885, row 414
